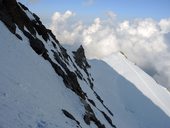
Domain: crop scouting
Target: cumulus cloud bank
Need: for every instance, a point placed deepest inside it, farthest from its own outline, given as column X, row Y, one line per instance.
column 145, row 41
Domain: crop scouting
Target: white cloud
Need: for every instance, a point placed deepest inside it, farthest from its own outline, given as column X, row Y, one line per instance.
column 64, row 29
column 145, row 41
column 165, row 25
column 99, row 40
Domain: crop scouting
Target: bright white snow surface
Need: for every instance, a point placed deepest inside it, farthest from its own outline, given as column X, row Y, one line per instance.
column 131, row 107
column 32, row 95
column 142, row 81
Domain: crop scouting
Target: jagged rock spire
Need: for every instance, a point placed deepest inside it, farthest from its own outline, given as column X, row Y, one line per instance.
column 80, row 58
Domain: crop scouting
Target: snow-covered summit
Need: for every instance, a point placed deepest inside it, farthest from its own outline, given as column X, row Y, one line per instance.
column 43, row 85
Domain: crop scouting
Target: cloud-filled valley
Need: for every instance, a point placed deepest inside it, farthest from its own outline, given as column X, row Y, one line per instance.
column 146, row 42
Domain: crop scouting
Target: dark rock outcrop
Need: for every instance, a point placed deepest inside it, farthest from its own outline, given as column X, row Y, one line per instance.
column 14, row 16
column 67, row 114
column 108, row 119
column 90, row 116
column 80, row 58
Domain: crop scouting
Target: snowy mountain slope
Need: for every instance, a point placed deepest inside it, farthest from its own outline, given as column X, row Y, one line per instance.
column 39, row 80
column 31, row 94
column 131, row 107
column 43, row 85
column 142, row 81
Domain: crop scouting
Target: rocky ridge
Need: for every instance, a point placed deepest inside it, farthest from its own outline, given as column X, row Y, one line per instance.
column 71, row 69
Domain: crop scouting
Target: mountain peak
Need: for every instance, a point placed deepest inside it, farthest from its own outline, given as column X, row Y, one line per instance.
column 80, row 58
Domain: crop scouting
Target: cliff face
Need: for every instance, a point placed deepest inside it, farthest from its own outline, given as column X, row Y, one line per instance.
column 17, row 17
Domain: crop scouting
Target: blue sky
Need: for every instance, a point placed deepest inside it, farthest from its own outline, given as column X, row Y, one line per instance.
column 125, row 9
